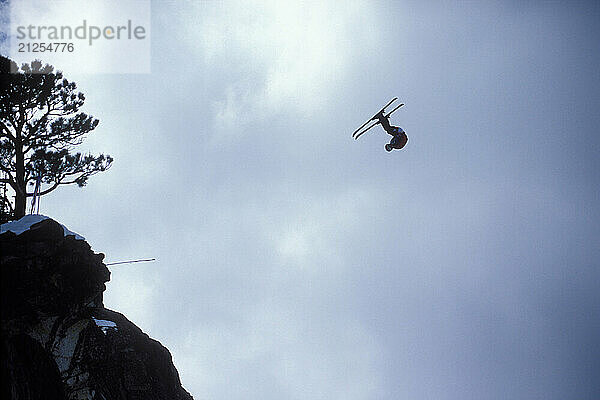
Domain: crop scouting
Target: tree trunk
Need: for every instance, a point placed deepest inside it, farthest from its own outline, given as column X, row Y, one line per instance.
column 21, row 189
column 20, row 205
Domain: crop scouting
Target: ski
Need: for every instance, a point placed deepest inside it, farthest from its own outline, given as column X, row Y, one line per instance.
column 355, row 136
column 365, row 130
column 390, row 113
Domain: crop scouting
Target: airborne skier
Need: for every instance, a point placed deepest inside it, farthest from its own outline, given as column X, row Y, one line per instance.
column 399, row 138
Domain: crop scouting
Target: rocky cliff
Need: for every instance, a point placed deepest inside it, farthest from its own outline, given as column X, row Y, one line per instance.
column 57, row 339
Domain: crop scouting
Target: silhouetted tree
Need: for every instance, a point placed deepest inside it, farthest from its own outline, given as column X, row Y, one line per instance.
column 40, row 123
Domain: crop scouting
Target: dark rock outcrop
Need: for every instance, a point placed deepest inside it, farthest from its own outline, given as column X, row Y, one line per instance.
column 57, row 339
column 28, row 371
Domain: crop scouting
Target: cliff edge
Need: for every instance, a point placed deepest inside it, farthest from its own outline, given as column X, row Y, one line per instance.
column 57, row 339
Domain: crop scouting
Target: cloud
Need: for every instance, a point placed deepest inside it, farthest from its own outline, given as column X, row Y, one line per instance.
column 275, row 55
column 133, row 289
column 280, row 347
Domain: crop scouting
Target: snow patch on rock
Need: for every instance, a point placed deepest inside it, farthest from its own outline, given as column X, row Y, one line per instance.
column 104, row 325
column 23, row 224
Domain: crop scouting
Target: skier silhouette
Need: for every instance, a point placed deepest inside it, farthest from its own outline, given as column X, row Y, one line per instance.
column 399, row 138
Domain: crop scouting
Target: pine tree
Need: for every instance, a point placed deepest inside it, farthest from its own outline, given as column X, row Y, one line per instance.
column 40, row 123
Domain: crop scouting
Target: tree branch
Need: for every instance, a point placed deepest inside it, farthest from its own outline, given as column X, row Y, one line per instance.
column 9, row 135
column 11, row 182
column 6, row 169
column 46, row 191
column 42, row 118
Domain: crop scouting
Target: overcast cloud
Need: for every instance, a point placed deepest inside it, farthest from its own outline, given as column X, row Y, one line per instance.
column 296, row 263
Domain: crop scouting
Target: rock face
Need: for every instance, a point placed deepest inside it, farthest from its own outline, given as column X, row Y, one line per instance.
column 57, row 339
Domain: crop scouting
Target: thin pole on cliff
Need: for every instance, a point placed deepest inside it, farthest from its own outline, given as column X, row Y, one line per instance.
column 131, row 262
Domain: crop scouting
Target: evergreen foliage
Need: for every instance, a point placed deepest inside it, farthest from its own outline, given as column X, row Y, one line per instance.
column 40, row 124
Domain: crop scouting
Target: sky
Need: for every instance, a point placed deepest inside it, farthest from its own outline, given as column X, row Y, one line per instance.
column 294, row 262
